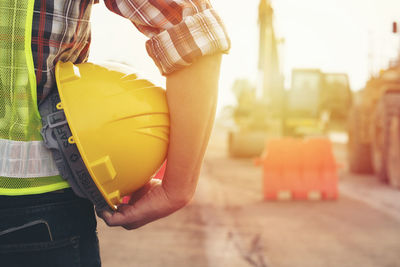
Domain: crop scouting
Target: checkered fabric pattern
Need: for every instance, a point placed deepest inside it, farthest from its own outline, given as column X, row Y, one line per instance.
column 179, row 31
column 60, row 31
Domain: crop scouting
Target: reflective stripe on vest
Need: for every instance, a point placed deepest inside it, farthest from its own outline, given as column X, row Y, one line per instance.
column 25, row 160
column 22, row 155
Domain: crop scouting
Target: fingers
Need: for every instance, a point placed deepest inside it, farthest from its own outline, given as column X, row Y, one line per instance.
column 125, row 216
column 129, row 217
column 148, row 204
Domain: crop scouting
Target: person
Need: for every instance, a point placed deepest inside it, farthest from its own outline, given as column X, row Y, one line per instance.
column 42, row 223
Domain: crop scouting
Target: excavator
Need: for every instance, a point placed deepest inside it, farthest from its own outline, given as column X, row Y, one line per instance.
column 267, row 110
column 374, row 126
column 258, row 107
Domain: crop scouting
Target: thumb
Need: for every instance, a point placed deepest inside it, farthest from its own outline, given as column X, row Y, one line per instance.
column 125, row 214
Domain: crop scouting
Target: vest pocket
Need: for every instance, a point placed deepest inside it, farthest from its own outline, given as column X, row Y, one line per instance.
column 63, row 252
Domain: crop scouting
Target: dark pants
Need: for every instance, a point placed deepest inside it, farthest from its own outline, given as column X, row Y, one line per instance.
column 52, row 229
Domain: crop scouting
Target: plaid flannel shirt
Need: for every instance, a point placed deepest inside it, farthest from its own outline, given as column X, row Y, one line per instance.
column 179, row 31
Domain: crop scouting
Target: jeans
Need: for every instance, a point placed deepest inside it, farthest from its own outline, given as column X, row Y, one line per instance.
column 52, row 229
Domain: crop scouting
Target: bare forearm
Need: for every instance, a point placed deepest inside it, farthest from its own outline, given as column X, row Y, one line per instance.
column 192, row 98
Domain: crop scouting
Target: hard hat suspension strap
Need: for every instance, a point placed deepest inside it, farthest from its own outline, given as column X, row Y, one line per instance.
column 56, row 134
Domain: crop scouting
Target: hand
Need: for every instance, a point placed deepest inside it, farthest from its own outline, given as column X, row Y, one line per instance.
column 148, row 204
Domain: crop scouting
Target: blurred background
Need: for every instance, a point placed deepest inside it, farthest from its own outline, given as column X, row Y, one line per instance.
column 303, row 167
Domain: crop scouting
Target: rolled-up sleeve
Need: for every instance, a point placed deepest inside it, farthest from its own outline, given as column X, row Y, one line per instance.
column 179, row 31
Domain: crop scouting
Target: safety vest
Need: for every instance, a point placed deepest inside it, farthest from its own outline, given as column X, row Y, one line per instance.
column 26, row 166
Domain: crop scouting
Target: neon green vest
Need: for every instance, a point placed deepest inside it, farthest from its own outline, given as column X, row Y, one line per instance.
column 26, row 167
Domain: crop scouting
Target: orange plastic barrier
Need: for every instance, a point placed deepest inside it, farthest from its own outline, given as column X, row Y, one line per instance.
column 160, row 173
column 299, row 169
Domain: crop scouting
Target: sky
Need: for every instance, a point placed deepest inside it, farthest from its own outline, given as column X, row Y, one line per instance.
column 347, row 36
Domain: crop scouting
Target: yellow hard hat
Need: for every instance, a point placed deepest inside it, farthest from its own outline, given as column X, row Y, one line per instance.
column 119, row 124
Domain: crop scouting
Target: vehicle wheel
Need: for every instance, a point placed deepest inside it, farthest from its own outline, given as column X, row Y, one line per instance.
column 380, row 136
column 378, row 152
column 246, row 144
column 232, row 145
column 385, row 115
column 359, row 153
column 393, row 162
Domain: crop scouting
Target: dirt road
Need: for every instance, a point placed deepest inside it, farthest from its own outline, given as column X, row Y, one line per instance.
column 228, row 224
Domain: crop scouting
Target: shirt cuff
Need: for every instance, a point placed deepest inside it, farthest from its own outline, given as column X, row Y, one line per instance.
column 179, row 46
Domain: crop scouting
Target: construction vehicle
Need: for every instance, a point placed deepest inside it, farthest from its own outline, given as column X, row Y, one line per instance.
column 374, row 126
column 337, row 96
column 314, row 101
column 268, row 110
column 258, row 107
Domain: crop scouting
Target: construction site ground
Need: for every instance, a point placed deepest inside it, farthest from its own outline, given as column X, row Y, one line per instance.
column 229, row 224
